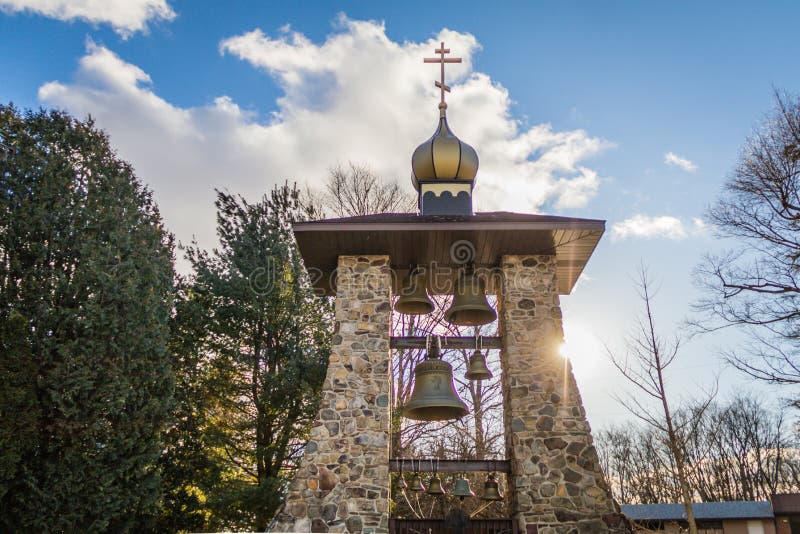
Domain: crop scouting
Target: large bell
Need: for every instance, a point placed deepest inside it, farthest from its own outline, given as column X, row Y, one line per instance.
column 462, row 488
column 414, row 298
column 416, row 484
column 469, row 307
column 477, row 369
column 400, row 485
column 491, row 490
column 434, row 397
column 435, row 486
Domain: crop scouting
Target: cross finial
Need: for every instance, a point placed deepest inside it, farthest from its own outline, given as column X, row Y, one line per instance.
column 442, row 60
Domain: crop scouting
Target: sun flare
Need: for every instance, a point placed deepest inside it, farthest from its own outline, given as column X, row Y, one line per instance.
column 581, row 345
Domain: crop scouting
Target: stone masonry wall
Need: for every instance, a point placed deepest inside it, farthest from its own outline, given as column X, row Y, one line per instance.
column 342, row 484
column 556, row 484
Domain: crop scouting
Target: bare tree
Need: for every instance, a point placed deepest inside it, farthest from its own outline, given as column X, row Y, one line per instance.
column 356, row 190
column 750, row 454
column 757, row 286
column 615, row 449
column 741, row 450
column 644, row 364
column 639, row 464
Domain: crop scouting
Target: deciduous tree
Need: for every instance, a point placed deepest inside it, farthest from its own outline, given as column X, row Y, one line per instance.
column 356, row 190
column 756, row 286
column 644, row 365
column 741, row 450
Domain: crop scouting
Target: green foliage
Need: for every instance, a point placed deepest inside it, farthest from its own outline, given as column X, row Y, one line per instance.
column 189, row 465
column 85, row 296
column 251, row 343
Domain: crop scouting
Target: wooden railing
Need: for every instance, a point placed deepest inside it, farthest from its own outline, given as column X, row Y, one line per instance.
column 438, row 526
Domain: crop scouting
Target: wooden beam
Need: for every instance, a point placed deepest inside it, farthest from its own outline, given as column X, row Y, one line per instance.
column 467, row 342
column 450, row 466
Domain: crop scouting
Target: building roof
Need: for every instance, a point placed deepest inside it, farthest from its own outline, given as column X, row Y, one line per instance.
column 501, row 217
column 786, row 503
column 409, row 239
column 702, row 511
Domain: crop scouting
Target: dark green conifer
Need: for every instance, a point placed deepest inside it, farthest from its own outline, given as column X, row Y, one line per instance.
column 86, row 282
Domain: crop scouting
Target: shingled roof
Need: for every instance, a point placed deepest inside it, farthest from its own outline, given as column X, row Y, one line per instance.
column 703, row 511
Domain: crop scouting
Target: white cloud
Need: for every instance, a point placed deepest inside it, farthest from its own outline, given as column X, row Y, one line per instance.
column 671, row 158
column 664, row 226
column 358, row 96
column 700, row 226
column 125, row 16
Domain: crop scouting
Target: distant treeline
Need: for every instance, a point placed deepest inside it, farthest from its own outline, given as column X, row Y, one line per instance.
column 742, row 450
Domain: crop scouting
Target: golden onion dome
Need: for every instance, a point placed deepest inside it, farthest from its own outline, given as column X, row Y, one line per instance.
column 444, row 156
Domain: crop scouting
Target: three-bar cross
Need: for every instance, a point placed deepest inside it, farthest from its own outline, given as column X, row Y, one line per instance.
column 442, row 60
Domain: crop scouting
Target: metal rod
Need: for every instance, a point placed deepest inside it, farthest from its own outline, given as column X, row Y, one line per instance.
column 481, row 509
column 411, row 342
column 455, row 466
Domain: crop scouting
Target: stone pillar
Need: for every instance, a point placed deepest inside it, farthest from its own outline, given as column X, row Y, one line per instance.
column 342, row 484
column 556, row 484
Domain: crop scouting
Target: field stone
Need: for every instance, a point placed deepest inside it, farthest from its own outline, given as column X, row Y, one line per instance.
column 350, row 434
column 540, row 388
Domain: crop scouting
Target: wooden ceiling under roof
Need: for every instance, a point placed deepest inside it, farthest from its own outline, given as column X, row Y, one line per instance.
column 411, row 239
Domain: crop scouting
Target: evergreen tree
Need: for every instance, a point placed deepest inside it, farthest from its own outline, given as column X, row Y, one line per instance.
column 190, row 465
column 256, row 347
column 85, row 296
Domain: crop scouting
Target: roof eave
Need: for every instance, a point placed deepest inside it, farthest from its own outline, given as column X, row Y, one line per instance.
column 331, row 226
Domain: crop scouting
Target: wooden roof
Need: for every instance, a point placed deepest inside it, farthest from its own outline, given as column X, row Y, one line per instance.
column 411, row 239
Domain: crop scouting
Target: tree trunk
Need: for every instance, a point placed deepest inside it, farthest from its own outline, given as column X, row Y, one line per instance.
column 677, row 453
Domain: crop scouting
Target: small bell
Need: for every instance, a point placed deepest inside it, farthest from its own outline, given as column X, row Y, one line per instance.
column 434, row 397
column 462, row 488
column 477, row 369
column 400, row 484
column 416, row 484
column 435, row 486
column 469, row 307
column 414, row 299
column 491, row 490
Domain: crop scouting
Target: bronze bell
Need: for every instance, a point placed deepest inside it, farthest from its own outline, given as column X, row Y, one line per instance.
column 469, row 307
column 416, row 484
column 462, row 488
column 400, row 485
column 414, row 298
column 477, row 370
column 434, row 397
column 491, row 490
column 435, row 486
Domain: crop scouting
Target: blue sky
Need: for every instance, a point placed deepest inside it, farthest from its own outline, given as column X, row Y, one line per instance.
column 573, row 107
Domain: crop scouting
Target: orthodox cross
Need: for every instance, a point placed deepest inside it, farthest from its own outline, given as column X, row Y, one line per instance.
column 442, row 60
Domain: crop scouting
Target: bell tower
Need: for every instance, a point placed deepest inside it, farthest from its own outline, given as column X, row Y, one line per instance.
column 555, row 484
